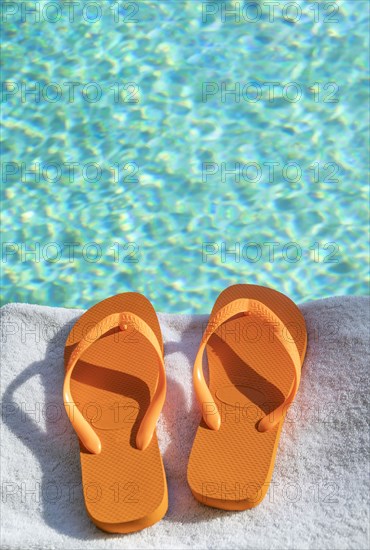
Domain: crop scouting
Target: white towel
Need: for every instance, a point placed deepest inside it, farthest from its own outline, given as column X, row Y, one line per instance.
column 319, row 493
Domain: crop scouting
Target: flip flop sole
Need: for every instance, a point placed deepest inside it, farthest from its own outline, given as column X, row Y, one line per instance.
column 250, row 374
column 112, row 384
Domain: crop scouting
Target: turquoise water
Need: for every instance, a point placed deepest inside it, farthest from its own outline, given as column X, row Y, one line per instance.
column 160, row 179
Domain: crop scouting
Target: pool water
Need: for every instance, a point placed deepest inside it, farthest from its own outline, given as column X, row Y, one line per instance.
column 146, row 148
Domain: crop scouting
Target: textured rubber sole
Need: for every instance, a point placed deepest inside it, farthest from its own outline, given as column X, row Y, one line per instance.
column 124, row 488
column 250, row 374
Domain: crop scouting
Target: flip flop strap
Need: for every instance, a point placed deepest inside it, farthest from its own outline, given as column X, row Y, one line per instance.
column 83, row 428
column 210, row 412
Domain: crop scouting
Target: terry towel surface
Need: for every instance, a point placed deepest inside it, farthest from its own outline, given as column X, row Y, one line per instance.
column 318, row 498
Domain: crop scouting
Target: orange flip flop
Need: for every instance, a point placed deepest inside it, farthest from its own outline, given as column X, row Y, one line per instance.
column 256, row 341
column 114, row 390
